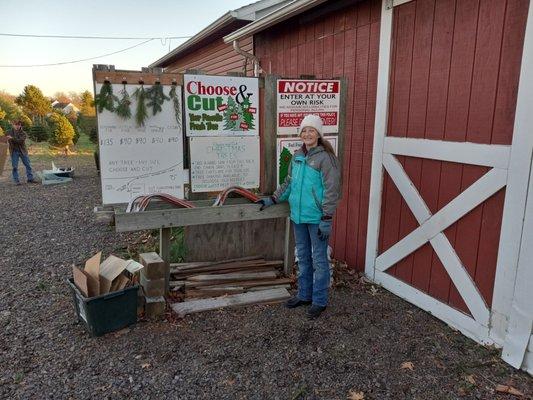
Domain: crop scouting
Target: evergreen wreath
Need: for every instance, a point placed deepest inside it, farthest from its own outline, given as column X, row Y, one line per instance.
column 156, row 97
column 173, row 94
column 105, row 100
column 123, row 109
column 141, row 112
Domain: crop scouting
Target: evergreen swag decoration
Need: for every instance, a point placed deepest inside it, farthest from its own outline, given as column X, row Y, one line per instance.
column 173, row 94
column 105, row 100
column 123, row 109
column 141, row 112
column 156, row 97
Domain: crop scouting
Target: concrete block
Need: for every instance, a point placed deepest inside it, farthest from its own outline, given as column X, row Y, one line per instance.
column 153, row 287
column 154, row 266
column 154, row 307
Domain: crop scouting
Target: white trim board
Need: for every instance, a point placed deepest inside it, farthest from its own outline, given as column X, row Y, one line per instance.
column 476, row 194
column 516, row 193
column 380, row 126
column 489, row 155
column 397, row 3
column 455, row 318
column 442, row 246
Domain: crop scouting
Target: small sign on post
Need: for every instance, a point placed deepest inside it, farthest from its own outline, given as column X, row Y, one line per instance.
column 285, row 150
column 220, row 162
column 297, row 98
column 221, row 105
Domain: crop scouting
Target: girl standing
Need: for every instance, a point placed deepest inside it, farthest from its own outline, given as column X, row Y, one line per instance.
column 312, row 188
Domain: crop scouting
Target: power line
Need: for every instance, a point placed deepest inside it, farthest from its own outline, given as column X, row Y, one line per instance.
column 76, row 61
column 92, row 37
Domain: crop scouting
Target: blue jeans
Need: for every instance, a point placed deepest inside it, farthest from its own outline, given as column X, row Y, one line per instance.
column 15, row 163
column 313, row 265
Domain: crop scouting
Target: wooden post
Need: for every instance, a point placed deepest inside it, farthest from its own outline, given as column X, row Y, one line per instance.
column 164, row 250
column 269, row 134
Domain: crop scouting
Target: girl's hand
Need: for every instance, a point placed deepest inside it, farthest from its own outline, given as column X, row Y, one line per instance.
column 265, row 202
column 324, row 229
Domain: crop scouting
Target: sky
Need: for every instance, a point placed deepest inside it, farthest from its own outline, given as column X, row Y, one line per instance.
column 115, row 18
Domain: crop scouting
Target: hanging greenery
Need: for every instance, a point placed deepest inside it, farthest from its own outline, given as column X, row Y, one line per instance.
column 173, row 94
column 105, row 100
column 123, row 109
column 141, row 112
column 156, row 97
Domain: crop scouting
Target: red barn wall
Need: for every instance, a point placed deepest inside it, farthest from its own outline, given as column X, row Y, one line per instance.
column 215, row 58
column 330, row 44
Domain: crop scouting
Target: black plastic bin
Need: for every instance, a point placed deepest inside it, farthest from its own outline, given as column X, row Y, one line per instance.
column 107, row 312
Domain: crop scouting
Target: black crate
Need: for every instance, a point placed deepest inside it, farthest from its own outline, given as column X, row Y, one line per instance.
column 108, row 312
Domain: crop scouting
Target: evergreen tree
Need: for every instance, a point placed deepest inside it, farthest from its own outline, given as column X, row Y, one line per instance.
column 33, row 102
column 284, row 161
column 247, row 116
column 87, row 104
column 61, row 131
column 12, row 110
column 230, row 122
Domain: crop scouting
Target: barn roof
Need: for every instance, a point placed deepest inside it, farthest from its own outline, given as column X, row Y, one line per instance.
column 227, row 23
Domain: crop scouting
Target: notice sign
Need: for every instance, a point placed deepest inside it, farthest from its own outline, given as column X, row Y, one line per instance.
column 286, row 148
column 221, row 105
column 298, row 98
column 220, row 162
column 140, row 160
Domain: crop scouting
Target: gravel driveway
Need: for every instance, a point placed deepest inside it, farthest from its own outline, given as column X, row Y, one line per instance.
column 356, row 349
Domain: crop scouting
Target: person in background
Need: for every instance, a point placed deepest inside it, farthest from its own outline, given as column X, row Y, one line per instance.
column 17, row 148
column 312, row 188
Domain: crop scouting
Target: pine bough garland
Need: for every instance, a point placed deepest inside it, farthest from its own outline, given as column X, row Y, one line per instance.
column 156, row 97
column 123, row 109
column 141, row 112
column 173, row 94
column 105, row 100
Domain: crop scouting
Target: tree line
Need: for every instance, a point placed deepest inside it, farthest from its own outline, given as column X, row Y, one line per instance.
column 44, row 123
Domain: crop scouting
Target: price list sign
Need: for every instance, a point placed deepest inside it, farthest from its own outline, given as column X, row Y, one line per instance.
column 138, row 160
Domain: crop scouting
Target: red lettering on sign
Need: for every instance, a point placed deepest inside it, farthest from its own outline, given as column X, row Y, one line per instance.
column 194, row 87
column 287, row 120
column 308, row 86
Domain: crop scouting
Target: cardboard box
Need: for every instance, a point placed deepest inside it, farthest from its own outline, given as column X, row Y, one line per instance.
column 99, row 278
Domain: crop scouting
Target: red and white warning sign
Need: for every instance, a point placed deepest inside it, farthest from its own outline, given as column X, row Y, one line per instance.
column 296, row 98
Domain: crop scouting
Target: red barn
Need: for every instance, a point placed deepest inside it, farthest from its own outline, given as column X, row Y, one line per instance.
column 437, row 147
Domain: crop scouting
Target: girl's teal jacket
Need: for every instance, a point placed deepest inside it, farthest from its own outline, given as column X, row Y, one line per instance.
column 312, row 186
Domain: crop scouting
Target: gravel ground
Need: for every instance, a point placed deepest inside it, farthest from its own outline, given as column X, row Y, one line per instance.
column 356, row 350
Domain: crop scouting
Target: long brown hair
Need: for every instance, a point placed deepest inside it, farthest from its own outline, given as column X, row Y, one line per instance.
column 326, row 145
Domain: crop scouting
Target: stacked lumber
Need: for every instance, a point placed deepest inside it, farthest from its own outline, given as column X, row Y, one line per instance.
column 211, row 285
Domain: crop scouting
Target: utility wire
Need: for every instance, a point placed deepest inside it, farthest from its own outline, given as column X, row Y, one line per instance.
column 76, row 61
column 92, row 37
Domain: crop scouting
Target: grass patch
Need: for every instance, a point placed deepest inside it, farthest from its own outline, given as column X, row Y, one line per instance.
column 43, row 151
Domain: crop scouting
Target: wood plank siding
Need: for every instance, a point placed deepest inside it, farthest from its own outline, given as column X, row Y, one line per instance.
column 330, row 43
column 454, row 76
column 215, row 58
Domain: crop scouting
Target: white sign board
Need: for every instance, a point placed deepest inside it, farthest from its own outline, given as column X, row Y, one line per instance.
column 285, row 150
column 221, row 105
column 140, row 160
column 220, row 162
column 297, row 98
